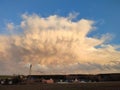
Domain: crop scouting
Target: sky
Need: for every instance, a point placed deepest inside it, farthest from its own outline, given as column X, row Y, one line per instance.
column 59, row 36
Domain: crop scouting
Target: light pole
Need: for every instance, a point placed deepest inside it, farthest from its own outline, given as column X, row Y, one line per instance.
column 30, row 70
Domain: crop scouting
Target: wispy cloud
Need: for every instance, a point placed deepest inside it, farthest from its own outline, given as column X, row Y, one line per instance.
column 56, row 44
column 10, row 26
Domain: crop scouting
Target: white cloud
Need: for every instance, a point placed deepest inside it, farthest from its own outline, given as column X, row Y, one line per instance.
column 10, row 26
column 72, row 15
column 58, row 45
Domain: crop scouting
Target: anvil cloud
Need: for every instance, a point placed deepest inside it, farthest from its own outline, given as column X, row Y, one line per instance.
column 56, row 45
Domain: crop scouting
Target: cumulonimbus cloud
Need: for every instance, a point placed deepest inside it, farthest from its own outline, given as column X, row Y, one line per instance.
column 56, row 44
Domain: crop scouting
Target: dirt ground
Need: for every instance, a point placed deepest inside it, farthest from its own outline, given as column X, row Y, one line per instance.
column 75, row 86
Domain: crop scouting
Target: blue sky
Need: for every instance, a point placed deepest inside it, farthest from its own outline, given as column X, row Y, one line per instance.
column 105, row 13
column 56, row 43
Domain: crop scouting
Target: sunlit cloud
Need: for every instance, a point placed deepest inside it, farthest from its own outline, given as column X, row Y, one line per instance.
column 56, row 44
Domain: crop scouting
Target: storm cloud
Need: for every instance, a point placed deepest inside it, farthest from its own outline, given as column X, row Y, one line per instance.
column 56, row 45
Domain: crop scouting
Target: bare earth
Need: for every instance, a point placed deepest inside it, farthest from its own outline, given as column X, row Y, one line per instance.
column 75, row 86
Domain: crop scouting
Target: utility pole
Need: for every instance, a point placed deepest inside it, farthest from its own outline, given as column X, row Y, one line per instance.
column 30, row 70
